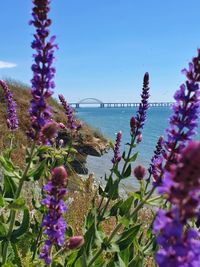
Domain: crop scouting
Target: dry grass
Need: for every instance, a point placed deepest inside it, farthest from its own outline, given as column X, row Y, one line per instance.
column 22, row 96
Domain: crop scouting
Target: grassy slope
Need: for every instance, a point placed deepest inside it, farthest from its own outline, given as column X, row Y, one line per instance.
column 22, row 96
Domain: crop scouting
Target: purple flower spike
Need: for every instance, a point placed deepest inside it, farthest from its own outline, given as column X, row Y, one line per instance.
column 54, row 224
column 179, row 248
column 12, row 120
column 181, row 184
column 141, row 114
column 179, row 177
column 155, row 162
column 43, row 72
column 183, row 122
column 117, row 156
column 71, row 121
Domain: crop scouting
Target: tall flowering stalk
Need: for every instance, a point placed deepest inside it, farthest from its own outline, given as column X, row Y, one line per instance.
column 43, row 71
column 71, row 121
column 137, row 123
column 183, row 122
column 179, row 169
column 180, row 246
column 54, row 224
column 12, row 120
column 156, row 159
column 117, row 157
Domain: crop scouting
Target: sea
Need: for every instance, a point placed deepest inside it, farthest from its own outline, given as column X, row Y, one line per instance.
column 109, row 121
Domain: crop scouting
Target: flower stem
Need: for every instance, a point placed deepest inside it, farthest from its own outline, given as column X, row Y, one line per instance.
column 13, row 212
column 118, row 226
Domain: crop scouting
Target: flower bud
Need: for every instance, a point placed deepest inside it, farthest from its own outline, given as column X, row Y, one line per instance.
column 133, row 123
column 139, row 172
column 75, row 242
column 59, row 176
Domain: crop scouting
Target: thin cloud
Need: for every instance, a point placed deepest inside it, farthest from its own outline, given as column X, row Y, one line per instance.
column 6, row 65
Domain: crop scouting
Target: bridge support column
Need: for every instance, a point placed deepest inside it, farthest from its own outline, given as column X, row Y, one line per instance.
column 77, row 105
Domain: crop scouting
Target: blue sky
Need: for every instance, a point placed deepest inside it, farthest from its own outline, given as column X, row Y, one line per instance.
column 106, row 46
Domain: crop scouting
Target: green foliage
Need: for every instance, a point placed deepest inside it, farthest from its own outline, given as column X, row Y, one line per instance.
column 21, row 235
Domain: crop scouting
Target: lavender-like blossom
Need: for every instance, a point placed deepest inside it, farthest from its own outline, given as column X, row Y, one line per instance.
column 117, row 157
column 155, row 163
column 141, row 114
column 183, row 122
column 54, row 224
column 71, row 121
column 12, row 120
column 43, row 72
column 181, row 185
column 179, row 247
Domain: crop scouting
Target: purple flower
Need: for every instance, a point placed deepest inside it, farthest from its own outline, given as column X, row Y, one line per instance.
column 181, row 185
column 141, row 114
column 178, row 173
column 154, row 168
column 71, row 121
column 12, row 120
column 53, row 223
column 182, row 182
column 179, row 247
column 43, row 72
column 183, row 122
column 117, row 157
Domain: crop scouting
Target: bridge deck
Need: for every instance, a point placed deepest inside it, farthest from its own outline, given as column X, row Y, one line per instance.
column 120, row 105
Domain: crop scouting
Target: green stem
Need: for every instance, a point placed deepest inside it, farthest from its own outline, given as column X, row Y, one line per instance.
column 36, row 242
column 13, row 212
column 129, row 153
column 118, row 226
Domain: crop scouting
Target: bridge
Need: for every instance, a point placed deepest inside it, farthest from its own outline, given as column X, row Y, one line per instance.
column 97, row 102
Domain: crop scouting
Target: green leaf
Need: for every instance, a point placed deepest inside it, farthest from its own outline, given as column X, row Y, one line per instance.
column 117, row 173
column 17, row 204
column 3, row 230
column 8, row 264
column 126, row 205
column 70, row 259
column 2, row 202
column 115, row 208
column 17, row 258
column 24, row 225
column 133, row 158
column 124, row 220
column 38, row 172
column 136, row 262
column 6, row 164
column 9, row 187
column 127, row 172
column 124, row 155
column 128, row 236
column 125, row 254
column 43, row 149
column 81, row 262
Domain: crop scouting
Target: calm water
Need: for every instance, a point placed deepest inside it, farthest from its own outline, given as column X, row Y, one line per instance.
column 111, row 120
